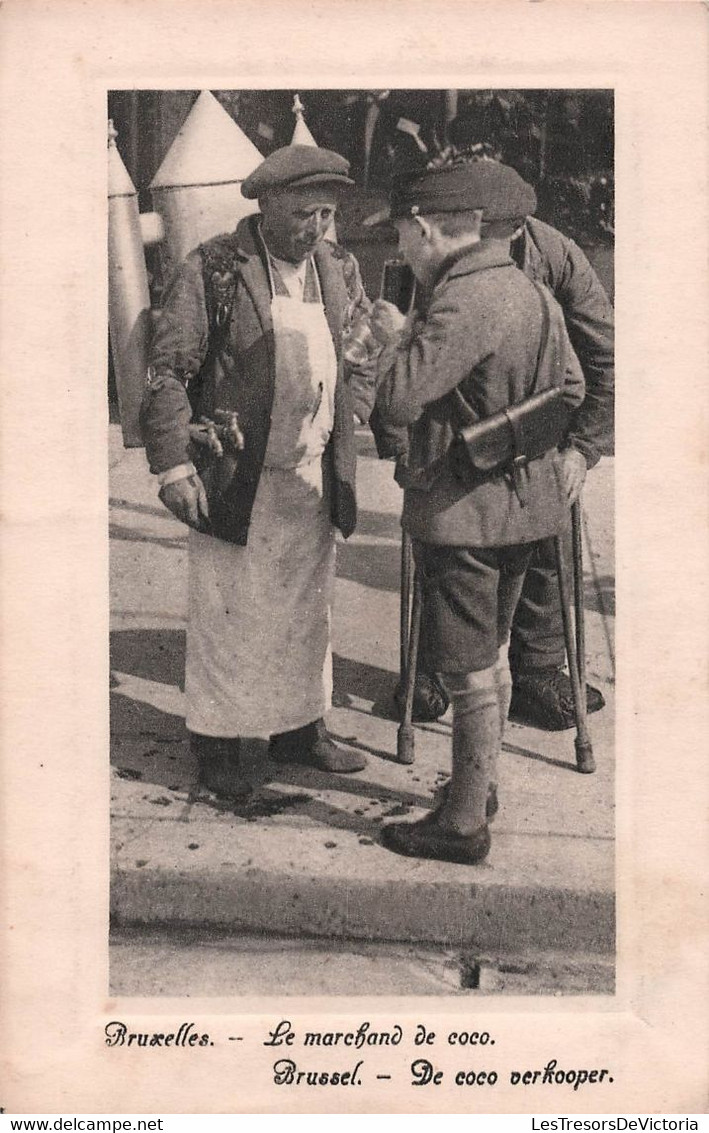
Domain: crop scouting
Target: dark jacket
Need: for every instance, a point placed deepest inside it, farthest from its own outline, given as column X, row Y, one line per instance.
column 549, row 257
column 546, row 255
column 480, row 335
column 234, row 369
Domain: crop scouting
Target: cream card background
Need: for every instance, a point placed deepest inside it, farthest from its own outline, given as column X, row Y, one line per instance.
column 58, row 60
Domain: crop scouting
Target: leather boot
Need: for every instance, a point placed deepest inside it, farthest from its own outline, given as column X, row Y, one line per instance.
column 218, row 767
column 544, row 699
column 427, row 840
column 314, row 747
column 430, row 700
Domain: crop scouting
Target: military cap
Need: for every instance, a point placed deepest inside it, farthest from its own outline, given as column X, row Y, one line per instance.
column 293, row 166
column 462, row 187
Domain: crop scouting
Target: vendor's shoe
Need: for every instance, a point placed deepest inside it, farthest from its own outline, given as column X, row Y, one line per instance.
column 428, row 840
column 313, row 746
column 218, row 767
column 544, row 699
column 430, row 699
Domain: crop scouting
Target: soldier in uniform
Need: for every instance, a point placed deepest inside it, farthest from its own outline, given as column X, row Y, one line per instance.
column 541, row 688
column 250, row 344
column 483, row 336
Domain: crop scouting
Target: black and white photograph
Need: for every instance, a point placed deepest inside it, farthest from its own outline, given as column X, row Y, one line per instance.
column 361, row 541
column 354, row 618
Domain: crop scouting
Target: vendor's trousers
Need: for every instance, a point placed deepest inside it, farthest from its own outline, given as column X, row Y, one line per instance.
column 537, row 640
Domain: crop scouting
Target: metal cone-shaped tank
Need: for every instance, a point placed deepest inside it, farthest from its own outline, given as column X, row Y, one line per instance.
column 301, row 133
column 197, row 189
column 303, row 137
column 128, row 295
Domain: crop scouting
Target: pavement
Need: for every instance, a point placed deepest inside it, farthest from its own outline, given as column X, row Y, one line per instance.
column 303, row 861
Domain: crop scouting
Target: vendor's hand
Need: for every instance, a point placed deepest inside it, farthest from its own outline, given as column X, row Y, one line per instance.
column 573, row 471
column 386, row 322
column 187, row 500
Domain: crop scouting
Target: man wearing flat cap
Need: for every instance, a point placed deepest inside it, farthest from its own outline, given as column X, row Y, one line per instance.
column 482, row 338
column 248, row 425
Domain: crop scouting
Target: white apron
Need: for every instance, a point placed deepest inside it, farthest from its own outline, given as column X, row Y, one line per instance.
column 258, row 638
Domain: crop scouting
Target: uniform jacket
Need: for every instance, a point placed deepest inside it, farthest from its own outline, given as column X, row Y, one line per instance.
column 544, row 254
column 480, row 333
column 234, row 368
column 549, row 257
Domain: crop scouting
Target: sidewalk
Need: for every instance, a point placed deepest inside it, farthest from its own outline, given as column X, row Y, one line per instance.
column 305, row 859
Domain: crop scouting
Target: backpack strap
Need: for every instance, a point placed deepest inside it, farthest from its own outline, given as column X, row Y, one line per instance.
column 546, row 320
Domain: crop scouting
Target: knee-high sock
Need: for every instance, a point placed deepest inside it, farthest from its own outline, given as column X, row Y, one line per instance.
column 476, row 740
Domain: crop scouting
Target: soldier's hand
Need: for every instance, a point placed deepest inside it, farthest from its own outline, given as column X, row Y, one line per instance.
column 386, row 321
column 573, row 471
column 187, row 500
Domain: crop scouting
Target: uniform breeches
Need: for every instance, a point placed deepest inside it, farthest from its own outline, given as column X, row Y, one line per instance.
column 469, row 595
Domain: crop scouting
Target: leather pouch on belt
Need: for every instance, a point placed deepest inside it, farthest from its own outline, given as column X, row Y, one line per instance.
column 510, row 439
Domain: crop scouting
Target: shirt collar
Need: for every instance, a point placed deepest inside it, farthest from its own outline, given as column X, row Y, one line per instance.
column 293, row 276
column 291, row 271
column 475, row 257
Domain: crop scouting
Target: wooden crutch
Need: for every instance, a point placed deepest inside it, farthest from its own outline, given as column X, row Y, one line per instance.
column 405, row 738
column 398, row 286
column 579, row 617
column 575, row 640
column 407, row 576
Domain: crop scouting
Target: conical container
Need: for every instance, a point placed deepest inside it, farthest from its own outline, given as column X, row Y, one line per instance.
column 197, row 189
column 129, row 317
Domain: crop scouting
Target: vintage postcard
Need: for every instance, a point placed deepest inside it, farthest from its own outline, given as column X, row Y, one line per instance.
column 354, row 651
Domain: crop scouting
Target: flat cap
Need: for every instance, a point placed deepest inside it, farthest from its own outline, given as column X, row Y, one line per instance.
column 488, row 185
column 293, row 166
